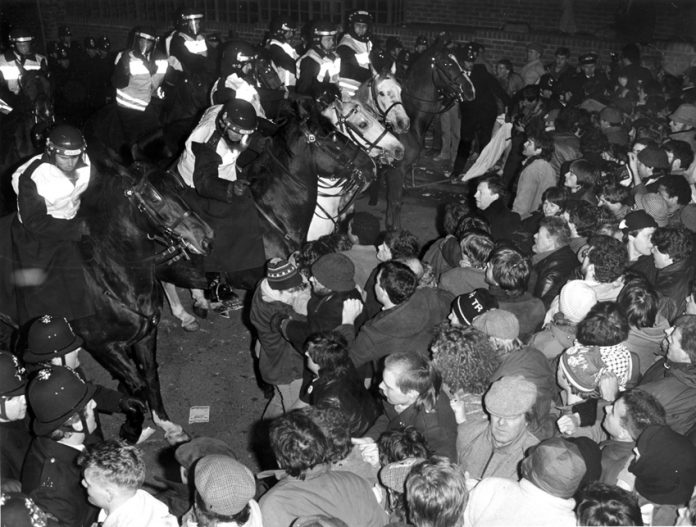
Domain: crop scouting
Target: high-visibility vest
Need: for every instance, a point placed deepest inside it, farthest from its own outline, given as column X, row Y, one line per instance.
column 362, row 56
column 62, row 196
column 243, row 90
column 141, row 83
column 201, row 134
column 12, row 72
column 329, row 68
column 287, row 77
column 197, row 46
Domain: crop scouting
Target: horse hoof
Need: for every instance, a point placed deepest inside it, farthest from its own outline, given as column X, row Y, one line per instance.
column 201, row 311
column 191, row 325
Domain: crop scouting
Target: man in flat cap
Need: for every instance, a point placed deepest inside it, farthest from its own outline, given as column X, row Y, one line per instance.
column 494, row 447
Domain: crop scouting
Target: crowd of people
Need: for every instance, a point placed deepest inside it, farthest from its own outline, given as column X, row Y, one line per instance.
column 536, row 365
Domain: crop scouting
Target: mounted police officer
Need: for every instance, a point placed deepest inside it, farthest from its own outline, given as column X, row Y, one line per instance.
column 49, row 273
column 138, row 77
column 237, row 76
column 320, row 65
column 283, row 55
column 72, row 48
column 14, row 64
column 209, row 167
column 186, row 47
column 354, row 50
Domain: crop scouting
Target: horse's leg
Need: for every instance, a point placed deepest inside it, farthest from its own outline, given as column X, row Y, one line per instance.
column 395, row 191
column 145, row 353
column 188, row 321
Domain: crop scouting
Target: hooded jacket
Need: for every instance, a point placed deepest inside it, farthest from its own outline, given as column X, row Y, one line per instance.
column 674, row 385
column 403, row 328
column 646, row 342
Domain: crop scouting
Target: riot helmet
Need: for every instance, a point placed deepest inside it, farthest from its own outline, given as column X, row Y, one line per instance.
column 67, row 141
column 238, row 116
column 320, row 32
column 21, row 41
column 360, row 25
column 144, row 39
column 190, row 21
column 237, row 56
column 282, row 28
column 90, row 43
column 104, row 44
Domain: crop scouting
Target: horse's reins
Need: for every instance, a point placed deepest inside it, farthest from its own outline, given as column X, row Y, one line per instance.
column 354, row 133
column 447, row 100
column 383, row 113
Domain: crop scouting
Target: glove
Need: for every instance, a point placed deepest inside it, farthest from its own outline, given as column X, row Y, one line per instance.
column 237, row 189
column 132, row 405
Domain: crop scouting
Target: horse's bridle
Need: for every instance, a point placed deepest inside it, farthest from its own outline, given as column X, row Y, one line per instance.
column 352, row 184
column 382, row 112
column 353, row 132
column 145, row 197
column 452, row 90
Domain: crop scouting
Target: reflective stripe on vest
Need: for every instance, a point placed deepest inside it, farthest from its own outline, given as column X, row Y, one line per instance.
column 287, row 77
column 361, row 49
column 327, row 66
column 11, row 72
column 141, row 84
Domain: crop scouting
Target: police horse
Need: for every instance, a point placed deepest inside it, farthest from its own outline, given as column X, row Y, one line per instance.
column 134, row 225
column 283, row 182
column 432, row 85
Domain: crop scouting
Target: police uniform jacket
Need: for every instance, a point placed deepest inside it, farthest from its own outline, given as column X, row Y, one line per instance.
column 14, row 444
column 52, row 478
column 12, row 67
column 137, row 78
column 208, row 166
column 356, row 67
column 317, row 69
column 45, row 233
column 188, row 54
column 284, row 59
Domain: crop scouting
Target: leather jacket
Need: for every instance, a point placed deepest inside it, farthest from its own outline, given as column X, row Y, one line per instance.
column 551, row 274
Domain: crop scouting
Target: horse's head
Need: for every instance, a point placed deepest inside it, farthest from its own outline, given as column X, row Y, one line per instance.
column 334, row 156
column 386, row 94
column 357, row 122
column 450, row 79
column 175, row 224
column 265, row 74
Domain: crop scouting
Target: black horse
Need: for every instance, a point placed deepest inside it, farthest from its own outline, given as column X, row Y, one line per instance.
column 133, row 225
column 432, row 85
column 284, row 183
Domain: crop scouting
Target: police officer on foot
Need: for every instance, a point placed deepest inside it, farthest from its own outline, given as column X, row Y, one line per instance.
column 14, row 434
column 63, row 411
column 51, row 341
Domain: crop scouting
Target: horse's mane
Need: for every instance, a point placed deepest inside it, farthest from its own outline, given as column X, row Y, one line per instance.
column 108, row 181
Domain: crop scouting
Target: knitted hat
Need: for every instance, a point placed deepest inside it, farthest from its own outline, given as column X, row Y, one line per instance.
column 366, row 227
column 393, row 476
column 225, row 485
column 636, row 220
column 688, row 217
column 655, row 205
column 575, row 300
column 335, row 271
column 50, row 337
column 665, row 470
column 498, row 323
column 685, row 113
column 282, row 275
column 582, row 367
column 470, row 305
column 588, row 58
column 611, row 115
column 510, row 396
column 188, row 453
column 653, row 157
column 555, row 466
